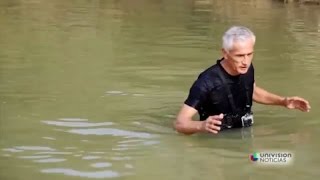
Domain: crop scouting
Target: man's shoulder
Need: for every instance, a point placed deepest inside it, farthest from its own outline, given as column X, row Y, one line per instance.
column 205, row 72
column 208, row 77
column 210, row 70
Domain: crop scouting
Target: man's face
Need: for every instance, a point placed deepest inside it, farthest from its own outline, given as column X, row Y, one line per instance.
column 240, row 57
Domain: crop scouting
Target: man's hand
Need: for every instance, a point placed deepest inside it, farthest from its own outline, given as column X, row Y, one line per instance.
column 212, row 124
column 297, row 103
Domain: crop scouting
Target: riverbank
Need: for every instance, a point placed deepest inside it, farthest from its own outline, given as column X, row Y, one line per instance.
column 315, row 2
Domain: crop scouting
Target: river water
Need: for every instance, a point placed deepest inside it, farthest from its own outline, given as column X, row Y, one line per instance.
column 89, row 89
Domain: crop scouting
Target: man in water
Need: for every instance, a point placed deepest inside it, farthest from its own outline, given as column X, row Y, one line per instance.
column 223, row 94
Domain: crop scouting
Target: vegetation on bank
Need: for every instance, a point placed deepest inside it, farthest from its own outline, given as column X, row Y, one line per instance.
column 317, row 2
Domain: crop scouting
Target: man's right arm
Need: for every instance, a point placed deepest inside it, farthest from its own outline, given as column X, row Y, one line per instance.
column 184, row 123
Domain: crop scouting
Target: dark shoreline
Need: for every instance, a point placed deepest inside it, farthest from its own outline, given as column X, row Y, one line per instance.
column 310, row 2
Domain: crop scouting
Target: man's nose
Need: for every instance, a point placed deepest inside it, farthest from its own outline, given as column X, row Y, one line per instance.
column 245, row 59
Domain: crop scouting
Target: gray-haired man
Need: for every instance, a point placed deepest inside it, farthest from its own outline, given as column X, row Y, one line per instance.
column 222, row 95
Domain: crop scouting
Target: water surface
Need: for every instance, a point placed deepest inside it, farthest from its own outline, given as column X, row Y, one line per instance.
column 89, row 89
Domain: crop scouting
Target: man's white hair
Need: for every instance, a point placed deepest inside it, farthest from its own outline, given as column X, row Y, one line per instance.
column 236, row 34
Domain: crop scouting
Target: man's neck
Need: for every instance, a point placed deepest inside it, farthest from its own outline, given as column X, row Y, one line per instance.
column 227, row 68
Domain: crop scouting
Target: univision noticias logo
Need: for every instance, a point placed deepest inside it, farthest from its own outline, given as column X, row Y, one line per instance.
column 272, row 158
column 254, row 156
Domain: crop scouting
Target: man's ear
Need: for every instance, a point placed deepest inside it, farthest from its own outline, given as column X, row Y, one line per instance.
column 224, row 53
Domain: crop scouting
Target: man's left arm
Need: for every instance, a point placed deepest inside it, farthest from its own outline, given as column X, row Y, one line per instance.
column 264, row 97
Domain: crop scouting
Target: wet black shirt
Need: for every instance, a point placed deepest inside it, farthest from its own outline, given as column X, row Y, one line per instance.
column 208, row 94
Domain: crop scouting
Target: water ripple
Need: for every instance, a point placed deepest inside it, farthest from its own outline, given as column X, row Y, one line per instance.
column 34, row 148
column 35, row 157
column 71, row 172
column 120, row 93
column 120, row 149
column 111, row 131
column 77, row 124
column 114, row 92
column 12, row 150
column 49, row 160
column 146, row 143
column 95, row 152
column 48, row 155
column 130, row 141
column 129, row 166
column 42, row 155
column 90, row 157
column 70, row 148
column 49, row 138
column 101, row 165
column 121, row 158
column 45, row 152
column 73, row 119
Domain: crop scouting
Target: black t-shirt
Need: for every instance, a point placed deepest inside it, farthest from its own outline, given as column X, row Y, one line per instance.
column 209, row 96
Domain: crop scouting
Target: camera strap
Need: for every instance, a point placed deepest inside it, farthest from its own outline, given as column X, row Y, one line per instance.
column 247, row 94
column 230, row 96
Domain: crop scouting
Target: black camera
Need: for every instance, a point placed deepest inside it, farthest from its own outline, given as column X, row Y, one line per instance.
column 235, row 120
